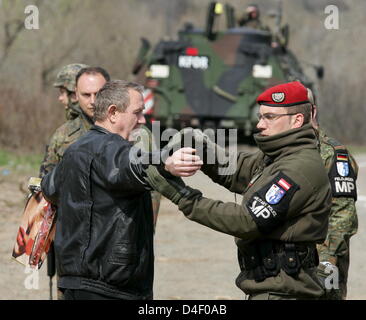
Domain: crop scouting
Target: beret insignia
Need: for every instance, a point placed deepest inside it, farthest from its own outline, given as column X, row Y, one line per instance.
column 278, row 96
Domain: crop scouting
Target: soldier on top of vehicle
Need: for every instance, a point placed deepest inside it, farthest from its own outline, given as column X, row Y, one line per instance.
column 250, row 18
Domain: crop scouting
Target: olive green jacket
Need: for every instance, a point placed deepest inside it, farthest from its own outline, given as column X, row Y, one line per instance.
column 301, row 214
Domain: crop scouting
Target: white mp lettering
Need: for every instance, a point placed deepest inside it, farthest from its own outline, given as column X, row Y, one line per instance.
column 350, row 186
column 260, row 210
column 331, row 22
column 342, row 186
column 31, row 21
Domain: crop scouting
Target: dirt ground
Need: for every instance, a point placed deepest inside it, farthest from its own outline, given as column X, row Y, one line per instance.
column 192, row 261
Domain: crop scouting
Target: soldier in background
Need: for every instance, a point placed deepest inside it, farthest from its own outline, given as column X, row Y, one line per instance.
column 343, row 221
column 88, row 82
column 65, row 82
column 250, row 18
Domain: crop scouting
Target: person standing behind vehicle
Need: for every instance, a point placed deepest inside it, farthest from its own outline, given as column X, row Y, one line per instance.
column 250, row 18
column 342, row 171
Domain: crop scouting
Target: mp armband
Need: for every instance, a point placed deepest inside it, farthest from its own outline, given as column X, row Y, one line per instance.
column 342, row 177
column 269, row 206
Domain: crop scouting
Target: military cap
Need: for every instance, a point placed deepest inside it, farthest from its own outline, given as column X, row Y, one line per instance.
column 66, row 76
column 284, row 95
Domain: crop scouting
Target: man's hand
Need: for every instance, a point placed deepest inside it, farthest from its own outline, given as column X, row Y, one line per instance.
column 183, row 163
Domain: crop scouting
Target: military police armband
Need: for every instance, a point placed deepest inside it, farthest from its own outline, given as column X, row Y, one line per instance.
column 269, row 205
column 342, row 176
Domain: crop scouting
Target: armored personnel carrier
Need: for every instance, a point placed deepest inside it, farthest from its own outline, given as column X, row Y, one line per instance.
column 210, row 78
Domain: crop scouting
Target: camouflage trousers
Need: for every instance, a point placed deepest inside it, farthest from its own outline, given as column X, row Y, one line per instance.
column 342, row 263
column 343, row 266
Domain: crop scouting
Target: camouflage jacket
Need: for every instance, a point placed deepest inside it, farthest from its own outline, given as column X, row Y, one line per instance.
column 65, row 135
column 343, row 220
column 72, row 111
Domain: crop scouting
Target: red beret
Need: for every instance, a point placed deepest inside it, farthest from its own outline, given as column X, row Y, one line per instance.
column 284, row 95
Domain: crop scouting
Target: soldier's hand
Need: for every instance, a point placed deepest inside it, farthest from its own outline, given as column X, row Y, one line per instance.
column 183, row 162
column 171, row 187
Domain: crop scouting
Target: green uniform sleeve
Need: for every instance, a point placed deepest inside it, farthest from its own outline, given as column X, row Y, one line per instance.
column 229, row 218
column 51, row 157
column 245, row 166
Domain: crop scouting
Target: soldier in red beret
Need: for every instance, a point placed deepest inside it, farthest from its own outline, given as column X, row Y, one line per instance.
column 286, row 197
column 283, row 107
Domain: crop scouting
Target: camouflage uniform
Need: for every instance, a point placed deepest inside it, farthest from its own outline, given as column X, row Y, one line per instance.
column 343, row 220
column 65, row 135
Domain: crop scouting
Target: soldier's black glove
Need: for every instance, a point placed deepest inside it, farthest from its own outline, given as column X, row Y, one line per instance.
column 171, row 187
column 213, row 154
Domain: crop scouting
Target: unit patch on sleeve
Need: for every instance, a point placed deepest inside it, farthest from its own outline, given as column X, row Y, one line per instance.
column 269, row 205
column 342, row 177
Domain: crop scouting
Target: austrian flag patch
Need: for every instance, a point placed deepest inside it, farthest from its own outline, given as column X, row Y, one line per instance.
column 284, row 184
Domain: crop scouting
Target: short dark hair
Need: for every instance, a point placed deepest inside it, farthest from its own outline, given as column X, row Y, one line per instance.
column 114, row 92
column 312, row 100
column 304, row 109
column 93, row 70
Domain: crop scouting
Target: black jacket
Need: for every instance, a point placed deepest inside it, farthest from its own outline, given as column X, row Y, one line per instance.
column 104, row 229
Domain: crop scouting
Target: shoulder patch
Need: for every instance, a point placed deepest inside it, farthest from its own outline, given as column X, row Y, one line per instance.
column 342, row 176
column 269, row 205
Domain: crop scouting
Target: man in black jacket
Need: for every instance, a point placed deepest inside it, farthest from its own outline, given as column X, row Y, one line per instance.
column 104, row 234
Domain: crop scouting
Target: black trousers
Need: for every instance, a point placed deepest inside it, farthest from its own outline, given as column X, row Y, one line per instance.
column 77, row 294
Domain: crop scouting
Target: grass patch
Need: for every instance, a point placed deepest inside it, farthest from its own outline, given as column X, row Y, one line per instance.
column 14, row 161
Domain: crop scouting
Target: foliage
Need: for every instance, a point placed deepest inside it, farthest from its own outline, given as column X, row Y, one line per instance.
column 107, row 33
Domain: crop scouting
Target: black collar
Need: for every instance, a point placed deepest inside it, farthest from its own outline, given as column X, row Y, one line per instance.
column 100, row 129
